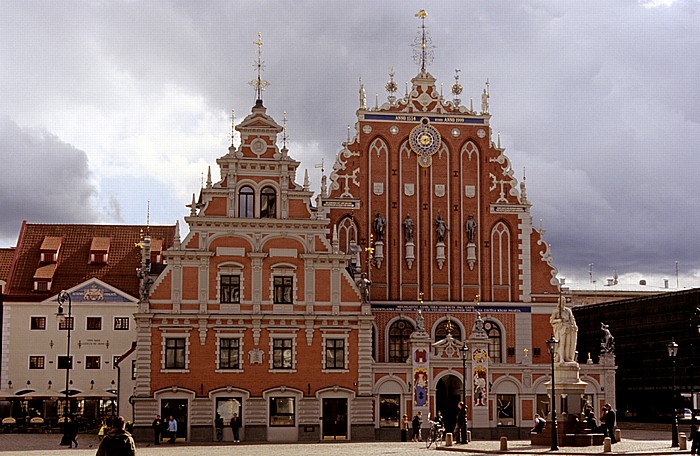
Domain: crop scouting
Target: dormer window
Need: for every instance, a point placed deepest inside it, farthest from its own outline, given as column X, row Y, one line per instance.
column 43, row 277
column 157, row 251
column 99, row 250
column 49, row 249
column 246, row 202
column 268, row 203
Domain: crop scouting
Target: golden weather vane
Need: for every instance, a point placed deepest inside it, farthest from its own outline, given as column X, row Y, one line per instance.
column 422, row 45
column 259, row 83
column 370, row 252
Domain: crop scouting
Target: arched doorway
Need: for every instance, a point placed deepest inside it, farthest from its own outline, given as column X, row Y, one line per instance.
column 448, row 393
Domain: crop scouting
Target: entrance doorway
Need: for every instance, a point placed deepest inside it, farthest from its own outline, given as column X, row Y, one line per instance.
column 448, row 393
column 335, row 419
column 177, row 408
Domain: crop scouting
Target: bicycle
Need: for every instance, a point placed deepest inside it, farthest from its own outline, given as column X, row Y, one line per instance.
column 434, row 434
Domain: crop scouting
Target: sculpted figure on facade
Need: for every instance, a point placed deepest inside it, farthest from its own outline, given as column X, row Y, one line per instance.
column 379, row 224
column 363, row 284
column 440, row 228
column 470, row 226
column 565, row 329
column 607, row 344
column 408, row 229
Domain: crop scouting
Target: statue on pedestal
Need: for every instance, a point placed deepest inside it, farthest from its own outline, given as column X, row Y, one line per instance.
column 471, row 229
column 408, row 229
column 440, row 228
column 565, row 329
column 379, row 224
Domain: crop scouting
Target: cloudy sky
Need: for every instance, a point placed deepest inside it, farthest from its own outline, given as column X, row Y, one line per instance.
column 108, row 105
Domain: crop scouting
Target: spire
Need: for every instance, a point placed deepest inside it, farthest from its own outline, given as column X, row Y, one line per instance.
column 306, row 180
column 363, row 95
column 209, row 177
column 376, row 102
column 499, row 139
column 422, row 45
column 259, row 84
column 523, row 190
column 193, row 207
column 284, row 130
column 148, row 217
column 336, row 243
column 176, row 241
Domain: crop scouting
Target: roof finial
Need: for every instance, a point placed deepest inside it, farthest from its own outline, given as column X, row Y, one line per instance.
column 209, row 177
column 457, row 88
column 259, row 84
column 233, row 127
column 148, row 217
column 363, row 95
column 391, row 86
column 422, row 45
column 284, row 130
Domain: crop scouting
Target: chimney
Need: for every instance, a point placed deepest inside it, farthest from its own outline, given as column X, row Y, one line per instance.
column 642, row 282
column 611, row 282
column 665, row 283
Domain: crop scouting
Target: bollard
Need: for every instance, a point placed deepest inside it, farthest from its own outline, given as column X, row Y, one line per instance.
column 607, row 445
column 504, row 443
column 682, row 441
column 618, row 434
column 469, row 436
column 448, row 439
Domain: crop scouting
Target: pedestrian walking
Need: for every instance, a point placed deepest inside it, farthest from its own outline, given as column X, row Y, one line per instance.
column 71, row 431
column 404, row 428
column 157, row 426
column 117, row 442
column 416, row 422
column 462, row 423
column 610, row 423
column 172, row 429
column 236, row 427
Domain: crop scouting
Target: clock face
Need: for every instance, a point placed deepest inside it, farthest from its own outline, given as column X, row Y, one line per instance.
column 425, row 141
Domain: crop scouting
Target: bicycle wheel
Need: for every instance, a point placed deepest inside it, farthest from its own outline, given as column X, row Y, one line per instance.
column 431, row 438
column 219, row 435
column 438, row 441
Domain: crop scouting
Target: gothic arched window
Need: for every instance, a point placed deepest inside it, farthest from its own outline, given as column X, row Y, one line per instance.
column 246, row 200
column 494, row 333
column 268, row 203
column 400, row 341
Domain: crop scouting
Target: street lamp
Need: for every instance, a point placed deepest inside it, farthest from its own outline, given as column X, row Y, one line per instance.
column 552, row 349
column 63, row 296
column 672, row 352
column 465, row 353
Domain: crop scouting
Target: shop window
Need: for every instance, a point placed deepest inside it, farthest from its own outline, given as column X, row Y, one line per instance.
column 268, row 203
column 389, row 410
column 246, row 199
column 399, row 341
column 282, row 411
column 542, row 405
column 505, row 409
column 230, row 289
column 175, row 353
column 229, row 354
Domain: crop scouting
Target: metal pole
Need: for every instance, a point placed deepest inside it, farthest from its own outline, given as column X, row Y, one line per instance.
column 62, row 297
column 465, row 351
column 674, row 423
column 555, row 436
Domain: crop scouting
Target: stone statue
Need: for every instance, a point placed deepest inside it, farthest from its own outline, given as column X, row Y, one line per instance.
column 607, row 345
column 485, row 102
column 408, row 229
column 379, row 224
column 440, row 228
column 471, row 229
column 363, row 284
column 420, row 321
column 566, row 331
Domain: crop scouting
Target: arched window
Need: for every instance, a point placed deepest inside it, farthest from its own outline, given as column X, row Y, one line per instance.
column 399, row 341
column 347, row 234
column 494, row 333
column 442, row 330
column 268, row 203
column 246, row 200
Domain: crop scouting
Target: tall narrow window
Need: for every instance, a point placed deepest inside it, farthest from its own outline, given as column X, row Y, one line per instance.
column 246, row 200
column 175, row 353
column 229, row 353
column 268, row 203
column 230, row 289
column 283, row 289
column 282, row 354
column 335, row 354
column 494, row 333
column 399, row 341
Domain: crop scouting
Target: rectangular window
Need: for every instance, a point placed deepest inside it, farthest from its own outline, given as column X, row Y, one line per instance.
column 175, row 353
column 38, row 323
column 282, row 353
column 65, row 363
column 335, row 354
column 506, row 409
column 121, row 323
column 229, row 352
column 36, row 362
column 282, row 411
column 92, row 362
column 389, row 410
column 65, row 323
column 94, row 323
column 543, row 405
column 283, row 289
column 230, row 289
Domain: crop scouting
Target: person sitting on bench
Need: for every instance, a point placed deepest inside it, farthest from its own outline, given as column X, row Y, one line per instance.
column 539, row 425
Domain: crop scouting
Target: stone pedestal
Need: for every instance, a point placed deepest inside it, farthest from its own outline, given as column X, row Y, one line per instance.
column 569, row 390
column 378, row 253
column 440, row 256
column 410, row 253
column 471, row 255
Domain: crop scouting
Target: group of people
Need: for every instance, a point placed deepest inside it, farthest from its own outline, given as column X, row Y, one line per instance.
column 162, row 428
column 235, row 424
column 607, row 421
column 414, row 425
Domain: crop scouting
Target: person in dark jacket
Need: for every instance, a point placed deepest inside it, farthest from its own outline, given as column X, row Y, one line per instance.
column 117, row 442
column 157, row 426
column 610, row 423
column 236, row 427
column 71, row 431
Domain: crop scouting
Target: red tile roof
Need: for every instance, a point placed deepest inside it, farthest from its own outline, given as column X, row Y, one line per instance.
column 51, row 243
column 45, row 272
column 6, row 256
column 99, row 244
column 73, row 267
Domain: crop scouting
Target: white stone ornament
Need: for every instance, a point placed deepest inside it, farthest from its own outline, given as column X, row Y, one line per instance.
column 456, row 132
column 409, row 189
column 258, row 146
column 367, row 129
column 480, row 132
column 469, row 191
column 378, row 188
column 394, row 130
column 439, row 190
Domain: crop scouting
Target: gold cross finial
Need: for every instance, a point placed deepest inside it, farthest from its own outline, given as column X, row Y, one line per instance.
column 422, row 46
column 259, row 84
column 476, row 300
column 422, row 14
column 420, row 298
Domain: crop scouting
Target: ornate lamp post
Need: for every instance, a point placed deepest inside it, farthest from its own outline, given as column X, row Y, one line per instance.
column 552, row 349
column 672, row 352
column 465, row 354
column 63, row 296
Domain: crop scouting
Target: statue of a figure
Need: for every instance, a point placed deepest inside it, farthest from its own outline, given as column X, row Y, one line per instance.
column 566, row 331
column 440, row 228
column 485, row 102
column 379, row 224
column 471, row 229
column 420, row 321
column 408, row 229
column 145, row 283
column 363, row 284
column 607, row 345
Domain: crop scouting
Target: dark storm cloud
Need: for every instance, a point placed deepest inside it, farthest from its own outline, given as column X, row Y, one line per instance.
column 42, row 180
column 598, row 100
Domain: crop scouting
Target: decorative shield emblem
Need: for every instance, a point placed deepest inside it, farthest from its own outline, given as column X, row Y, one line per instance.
column 469, row 191
column 378, row 188
column 409, row 189
column 439, row 190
